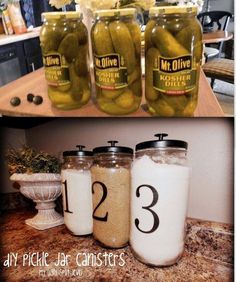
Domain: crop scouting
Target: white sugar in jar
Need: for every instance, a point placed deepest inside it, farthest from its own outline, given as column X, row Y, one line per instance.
column 76, row 191
column 159, row 198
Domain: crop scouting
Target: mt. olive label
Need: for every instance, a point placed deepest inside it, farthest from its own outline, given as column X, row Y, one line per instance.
column 176, row 64
column 174, row 76
column 110, row 71
column 56, row 69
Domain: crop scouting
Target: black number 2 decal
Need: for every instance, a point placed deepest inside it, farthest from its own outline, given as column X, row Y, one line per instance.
column 104, row 195
column 148, row 208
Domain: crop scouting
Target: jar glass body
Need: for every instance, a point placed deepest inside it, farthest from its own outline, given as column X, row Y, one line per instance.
column 64, row 44
column 173, row 52
column 77, row 195
column 116, row 43
column 159, row 198
column 111, row 199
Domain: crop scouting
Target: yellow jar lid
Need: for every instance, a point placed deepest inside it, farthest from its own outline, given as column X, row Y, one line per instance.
column 59, row 15
column 167, row 10
column 115, row 12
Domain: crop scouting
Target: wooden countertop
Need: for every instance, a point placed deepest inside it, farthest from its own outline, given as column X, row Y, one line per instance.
column 35, row 83
column 7, row 39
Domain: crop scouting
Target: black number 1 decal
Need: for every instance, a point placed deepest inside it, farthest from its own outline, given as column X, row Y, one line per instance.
column 148, row 208
column 66, row 197
column 104, row 189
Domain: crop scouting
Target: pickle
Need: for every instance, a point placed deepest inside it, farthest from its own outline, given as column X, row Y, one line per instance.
column 136, row 74
column 126, row 100
column 102, row 39
column 167, row 44
column 82, row 34
column 59, row 98
column 189, row 109
column 81, row 65
column 151, row 58
column 185, row 36
column 123, row 44
column 148, row 34
column 161, row 108
column 113, row 109
column 136, row 88
column 178, row 103
column 112, row 94
column 135, row 33
column 50, row 39
column 76, row 89
column 69, row 47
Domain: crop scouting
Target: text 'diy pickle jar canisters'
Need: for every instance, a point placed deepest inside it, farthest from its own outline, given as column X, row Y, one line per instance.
column 111, row 194
column 116, row 41
column 76, row 191
column 173, row 51
column 159, row 199
column 64, row 44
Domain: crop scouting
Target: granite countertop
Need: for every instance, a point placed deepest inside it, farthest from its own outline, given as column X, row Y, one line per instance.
column 7, row 39
column 208, row 255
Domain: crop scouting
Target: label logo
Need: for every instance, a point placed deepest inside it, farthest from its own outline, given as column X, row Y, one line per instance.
column 176, row 64
column 107, row 62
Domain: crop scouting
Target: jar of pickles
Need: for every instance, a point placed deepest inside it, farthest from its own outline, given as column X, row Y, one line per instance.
column 173, row 51
column 159, row 200
column 76, row 191
column 116, row 42
column 111, row 194
column 64, row 44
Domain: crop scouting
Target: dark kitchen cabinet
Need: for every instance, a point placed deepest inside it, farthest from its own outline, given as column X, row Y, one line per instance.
column 29, row 54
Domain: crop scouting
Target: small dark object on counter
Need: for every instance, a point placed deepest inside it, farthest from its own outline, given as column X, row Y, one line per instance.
column 30, row 97
column 15, row 101
column 37, row 100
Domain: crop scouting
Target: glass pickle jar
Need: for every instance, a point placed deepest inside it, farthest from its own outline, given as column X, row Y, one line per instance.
column 116, row 43
column 173, row 52
column 111, row 194
column 64, row 44
column 76, row 191
column 159, row 200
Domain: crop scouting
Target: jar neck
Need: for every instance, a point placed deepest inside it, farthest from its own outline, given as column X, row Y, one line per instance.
column 174, row 16
column 115, row 18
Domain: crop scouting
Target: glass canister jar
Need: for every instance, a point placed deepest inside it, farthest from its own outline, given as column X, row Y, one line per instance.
column 159, row 198
column 76, row 191
column 111, row 194
column 64, row 44
column 116, row 42
column 173, row 52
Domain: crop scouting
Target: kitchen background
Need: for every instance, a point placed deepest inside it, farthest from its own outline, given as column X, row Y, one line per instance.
column 210, row 151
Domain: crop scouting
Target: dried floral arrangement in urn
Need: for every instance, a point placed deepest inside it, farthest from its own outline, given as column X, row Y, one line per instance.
column 38, row 174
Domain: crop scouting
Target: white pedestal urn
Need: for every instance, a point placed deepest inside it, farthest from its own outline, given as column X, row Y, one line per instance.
column 43, row 189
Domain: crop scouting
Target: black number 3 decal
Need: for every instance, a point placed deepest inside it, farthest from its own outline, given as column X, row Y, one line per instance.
column 148, row 208
column 104, row 189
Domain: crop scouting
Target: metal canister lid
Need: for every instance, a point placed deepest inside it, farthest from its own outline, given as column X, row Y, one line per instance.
column 113, row 149
column 78, row 153
column 162, row 143
column 167, row 10
column 115, row 12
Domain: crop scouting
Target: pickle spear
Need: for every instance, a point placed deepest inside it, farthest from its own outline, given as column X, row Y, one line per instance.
column 123, row 44
column 81, row 65
column 102, row 39
column 167, row 44
column 135, row 33
column 69, row 47
column 148, row 34
column 151, row 57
